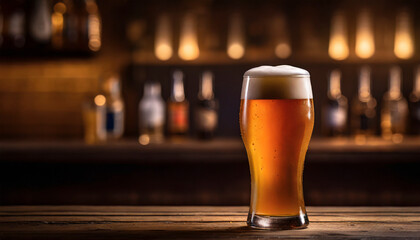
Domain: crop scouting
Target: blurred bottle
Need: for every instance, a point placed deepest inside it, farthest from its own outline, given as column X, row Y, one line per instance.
column 40, row 24
column 114, row 107
column 1, row 26
column 206, row 112
column 336, row 108
column 363, row 121
column 57, row 24
column 94, row 119
column 414, row 104
column 16, row 27
column 151, row 114
column 71, row 26
column 178, row 107
column 93, row 24
column 65, row 26
column 394, row 110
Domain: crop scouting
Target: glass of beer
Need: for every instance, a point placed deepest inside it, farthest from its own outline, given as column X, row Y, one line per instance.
column 276, row 120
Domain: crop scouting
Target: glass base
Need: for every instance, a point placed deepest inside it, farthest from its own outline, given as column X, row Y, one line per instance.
column 278, row 223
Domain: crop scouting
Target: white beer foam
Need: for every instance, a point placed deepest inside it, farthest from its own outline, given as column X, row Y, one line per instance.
column 276, row 82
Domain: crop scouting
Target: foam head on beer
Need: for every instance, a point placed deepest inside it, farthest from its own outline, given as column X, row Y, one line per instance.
column 276, row 82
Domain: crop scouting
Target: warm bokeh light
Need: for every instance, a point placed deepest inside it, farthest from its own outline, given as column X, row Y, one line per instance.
column 163, row 38
column 236, row 38
column 188, row 43
column 100, row 100
column 236, row 50
column 144, row 139
column 403, row 42
column 338, row 47
column 282, row 48
column 365, row 44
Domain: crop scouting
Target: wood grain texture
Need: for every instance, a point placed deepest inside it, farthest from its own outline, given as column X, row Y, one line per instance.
column 122, row 222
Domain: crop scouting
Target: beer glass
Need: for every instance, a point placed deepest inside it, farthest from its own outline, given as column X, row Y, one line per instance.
column 276, row 120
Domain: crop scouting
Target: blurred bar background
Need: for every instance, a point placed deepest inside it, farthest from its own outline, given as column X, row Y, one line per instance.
column 61, row 60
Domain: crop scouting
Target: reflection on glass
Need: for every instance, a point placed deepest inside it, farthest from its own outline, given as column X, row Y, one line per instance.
column 338, row 48
column 403, row 43
column 236, row 38
column 365, row 44
column 188, row 43
column 163, row 38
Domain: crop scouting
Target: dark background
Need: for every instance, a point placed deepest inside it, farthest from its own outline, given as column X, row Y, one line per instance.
column 43, row 159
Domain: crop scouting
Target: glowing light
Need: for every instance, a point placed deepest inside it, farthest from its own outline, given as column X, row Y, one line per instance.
column 100, row 100
column 163, row 39
column 282, row 43
column 236, row 40
column 365, row 44
column 144, row 139
column 338, row 48
column 188, row 44
column 403, row 44
column 283, row 50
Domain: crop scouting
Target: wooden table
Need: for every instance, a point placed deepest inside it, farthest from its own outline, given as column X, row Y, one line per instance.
column 124, row 222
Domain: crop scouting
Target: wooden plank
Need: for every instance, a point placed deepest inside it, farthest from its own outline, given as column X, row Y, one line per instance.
column 197, row 218
column 131, row 222
column 237, row 230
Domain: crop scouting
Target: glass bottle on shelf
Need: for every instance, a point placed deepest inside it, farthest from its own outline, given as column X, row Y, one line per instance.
column 394, row 110
column 94, row 119
column 1, row 26
column 178, row 107
column 57, row 24
column 363, row 110
column 206, row 111
column 40, row 24
column 151, row 114
column 114, row 107
column 16, row 27
column 414, row 104
column 336, row 108
column 94, row 25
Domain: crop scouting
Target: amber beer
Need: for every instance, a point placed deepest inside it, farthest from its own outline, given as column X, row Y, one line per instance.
column 276, row 120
